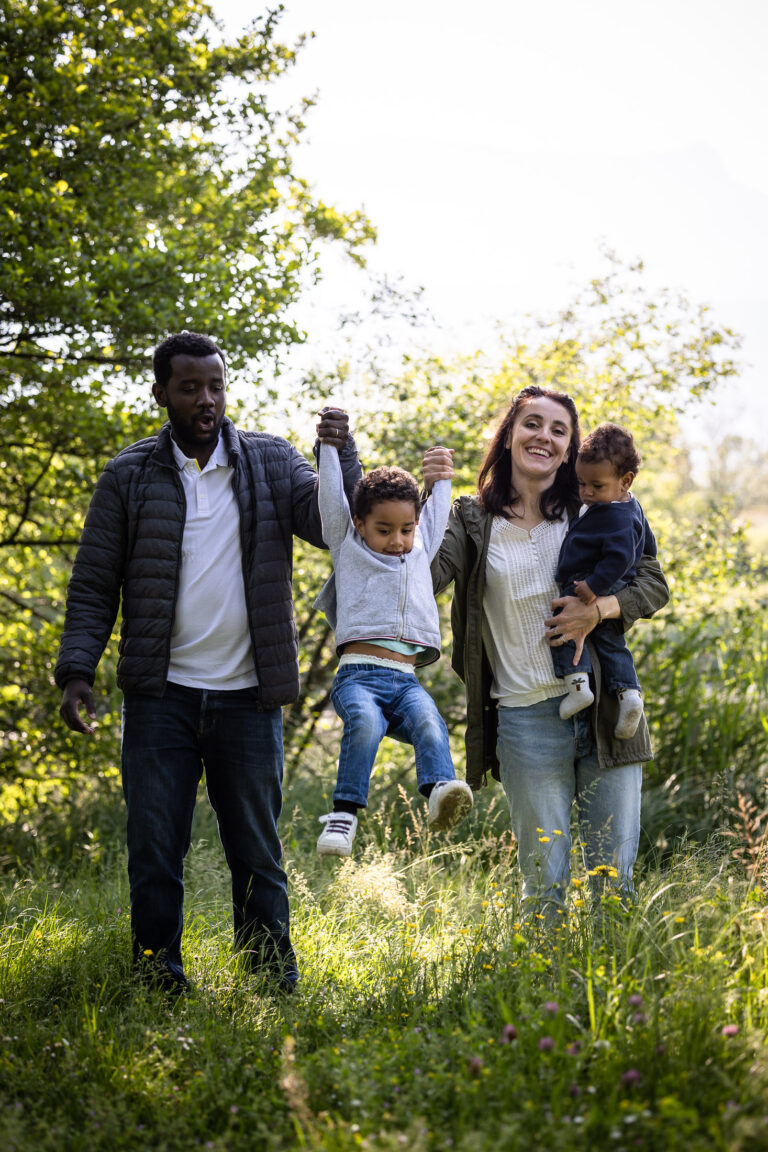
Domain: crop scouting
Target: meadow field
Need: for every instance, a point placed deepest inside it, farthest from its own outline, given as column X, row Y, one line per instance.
column 429, row 1014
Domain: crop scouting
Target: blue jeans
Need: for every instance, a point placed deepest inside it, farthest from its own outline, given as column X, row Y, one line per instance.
column 616, row 663
column 166, row 743
column 546, row 764
column 375, row 702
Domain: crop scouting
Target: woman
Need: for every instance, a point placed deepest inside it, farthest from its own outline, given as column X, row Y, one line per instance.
column 500, row 551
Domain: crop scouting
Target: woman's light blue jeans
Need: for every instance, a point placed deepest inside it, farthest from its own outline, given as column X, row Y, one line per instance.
column 547, row 763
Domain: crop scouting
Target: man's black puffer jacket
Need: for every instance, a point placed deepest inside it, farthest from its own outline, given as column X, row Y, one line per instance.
column 131, row 542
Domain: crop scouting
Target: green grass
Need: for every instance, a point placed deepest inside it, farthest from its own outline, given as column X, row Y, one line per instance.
column 429, row 1016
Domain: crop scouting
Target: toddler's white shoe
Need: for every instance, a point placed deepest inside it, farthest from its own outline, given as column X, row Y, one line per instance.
column 337, row 836
column 580, row 695
column 630, row 712
column 449, row 802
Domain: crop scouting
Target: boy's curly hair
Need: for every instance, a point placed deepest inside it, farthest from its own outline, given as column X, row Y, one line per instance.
column 387, row 483
column 613, row 443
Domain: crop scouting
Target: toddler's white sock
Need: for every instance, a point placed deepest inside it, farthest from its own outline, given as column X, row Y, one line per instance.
column 580, row 695
column 630, row 711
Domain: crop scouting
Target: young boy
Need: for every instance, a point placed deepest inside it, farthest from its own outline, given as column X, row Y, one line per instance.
column 598, row 557
column 380, row 604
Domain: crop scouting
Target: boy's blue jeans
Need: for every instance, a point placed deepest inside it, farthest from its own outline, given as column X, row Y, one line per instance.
column 166, row 743
column 375, row 702
column 616, row 663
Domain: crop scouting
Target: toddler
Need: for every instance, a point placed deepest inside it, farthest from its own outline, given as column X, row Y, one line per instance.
column 380, row 603
column 599, row 556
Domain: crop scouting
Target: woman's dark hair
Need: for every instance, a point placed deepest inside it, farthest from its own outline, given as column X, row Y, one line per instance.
column 182, row 344
column 387, row 483
column 613, row 443
column 494, row 481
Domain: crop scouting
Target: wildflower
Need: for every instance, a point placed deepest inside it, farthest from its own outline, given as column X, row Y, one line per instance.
column 544, row 839
column 574, row 1049
column 639, row 1018
column 630, row 1077
column 546, row 1044
column 475, row 1066
column 508, row 1033
column 234, row 1109
column 574, row 1090
column 731, row 1030
column 147, row 952
column 556, row 832
column 635, row 1000
column 551, row 1007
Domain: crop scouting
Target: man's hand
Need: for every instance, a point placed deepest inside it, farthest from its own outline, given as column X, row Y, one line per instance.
column 436, row 465
column 77, row 692
column 333, row 427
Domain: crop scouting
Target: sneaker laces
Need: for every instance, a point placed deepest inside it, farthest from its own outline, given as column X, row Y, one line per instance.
column 337, row 821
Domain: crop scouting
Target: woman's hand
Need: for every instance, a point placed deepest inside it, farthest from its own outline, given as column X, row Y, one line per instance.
column 436, row 465
column 575, row 620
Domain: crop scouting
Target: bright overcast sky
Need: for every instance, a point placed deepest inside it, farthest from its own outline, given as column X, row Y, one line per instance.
column 497, row 144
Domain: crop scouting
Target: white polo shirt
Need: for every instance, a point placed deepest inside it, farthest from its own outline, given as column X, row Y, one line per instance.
column 210, row 642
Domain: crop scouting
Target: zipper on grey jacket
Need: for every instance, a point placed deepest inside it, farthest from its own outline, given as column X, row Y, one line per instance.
column 403, row 591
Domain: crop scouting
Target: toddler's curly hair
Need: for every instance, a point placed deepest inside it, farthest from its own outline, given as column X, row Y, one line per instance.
column 387, row 483
column 613, row 443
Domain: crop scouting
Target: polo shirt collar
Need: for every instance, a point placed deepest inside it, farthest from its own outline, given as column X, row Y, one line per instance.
column 219, row 458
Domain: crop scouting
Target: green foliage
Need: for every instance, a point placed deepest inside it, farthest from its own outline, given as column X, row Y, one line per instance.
column 146, row 185
column 429, row 1015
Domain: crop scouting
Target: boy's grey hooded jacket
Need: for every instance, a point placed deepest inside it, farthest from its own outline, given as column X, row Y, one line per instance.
column 371, row 596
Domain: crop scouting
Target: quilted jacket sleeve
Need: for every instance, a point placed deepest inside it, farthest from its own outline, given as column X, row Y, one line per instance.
column 93, row 598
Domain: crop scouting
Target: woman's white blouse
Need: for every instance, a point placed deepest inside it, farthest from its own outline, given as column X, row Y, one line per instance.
column 519, row 590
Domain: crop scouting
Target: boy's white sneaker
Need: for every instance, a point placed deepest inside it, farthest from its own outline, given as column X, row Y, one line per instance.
column 449, row 802
column 337, row 836
column 579, row 696
column 630, row 712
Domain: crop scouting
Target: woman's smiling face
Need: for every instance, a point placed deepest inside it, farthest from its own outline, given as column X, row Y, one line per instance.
column 539, row 439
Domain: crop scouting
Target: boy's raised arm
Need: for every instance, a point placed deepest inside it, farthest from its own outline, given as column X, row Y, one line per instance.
column 437, row 507
column 334, row 509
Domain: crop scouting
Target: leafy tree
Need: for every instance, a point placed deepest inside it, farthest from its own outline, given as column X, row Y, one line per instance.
column 146, row 185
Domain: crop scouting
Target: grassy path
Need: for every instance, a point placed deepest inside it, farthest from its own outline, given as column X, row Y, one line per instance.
column 429, row 1017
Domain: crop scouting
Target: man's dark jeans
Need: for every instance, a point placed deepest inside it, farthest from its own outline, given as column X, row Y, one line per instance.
column 166, row 744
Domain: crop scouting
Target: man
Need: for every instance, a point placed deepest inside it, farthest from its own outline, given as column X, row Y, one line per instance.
column 194, row 528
